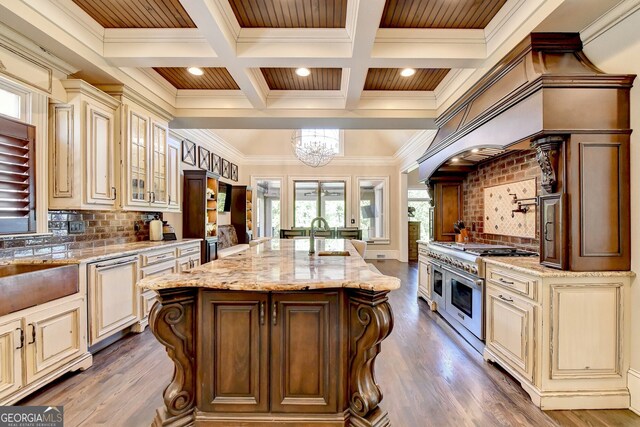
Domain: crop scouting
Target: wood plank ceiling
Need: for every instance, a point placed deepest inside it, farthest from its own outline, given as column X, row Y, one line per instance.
column 390, row 79
column 213, row 78
column 137, row 13
column 439, row 13
column 287, row 79
column 290, row 13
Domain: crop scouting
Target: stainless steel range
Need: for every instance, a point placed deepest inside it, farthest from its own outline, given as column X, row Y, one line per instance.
column 457, row 284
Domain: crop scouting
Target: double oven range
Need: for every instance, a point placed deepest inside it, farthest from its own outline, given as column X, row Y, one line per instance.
column 457, row 284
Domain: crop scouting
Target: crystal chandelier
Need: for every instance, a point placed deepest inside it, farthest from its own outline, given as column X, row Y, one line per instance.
column 315, row 147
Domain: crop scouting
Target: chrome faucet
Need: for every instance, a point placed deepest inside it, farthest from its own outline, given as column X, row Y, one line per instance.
column 325, row 225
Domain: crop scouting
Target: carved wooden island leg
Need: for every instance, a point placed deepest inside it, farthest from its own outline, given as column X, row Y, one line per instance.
column 371, row 321
column 172, row 322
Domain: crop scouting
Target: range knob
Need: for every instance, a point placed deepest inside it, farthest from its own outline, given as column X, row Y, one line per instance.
column 474, row 270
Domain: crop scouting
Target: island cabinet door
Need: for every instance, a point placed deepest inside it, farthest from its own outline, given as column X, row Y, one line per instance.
column 233, row 360
column 304, row 352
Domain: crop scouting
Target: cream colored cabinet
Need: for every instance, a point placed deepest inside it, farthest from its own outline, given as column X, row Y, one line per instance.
column 424, row 275
column 41, row 343
column 510, row 322
column 159, row 165
column 11, row 345
column 53, row 337
column 143, row 151
column 114, row 298
column 563, row 335
column 187, row 263
column 173, row 175
column 82, row 148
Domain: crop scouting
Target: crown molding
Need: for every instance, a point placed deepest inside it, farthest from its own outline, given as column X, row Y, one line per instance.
column 610, row 19
column 27, row 48
column 408, row 155
column 216, row 144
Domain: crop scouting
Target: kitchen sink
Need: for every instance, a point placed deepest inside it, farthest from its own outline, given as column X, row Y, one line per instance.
column 334, row 253
column 26, row 285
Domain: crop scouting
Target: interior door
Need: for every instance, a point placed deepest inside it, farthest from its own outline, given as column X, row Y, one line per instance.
column 233, row 359
column 11, row 344
column 304, row 352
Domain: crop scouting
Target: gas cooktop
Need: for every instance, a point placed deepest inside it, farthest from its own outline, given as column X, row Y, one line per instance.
column 482, row 249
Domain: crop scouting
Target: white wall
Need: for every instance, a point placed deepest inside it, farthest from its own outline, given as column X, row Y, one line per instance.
column 617, row 50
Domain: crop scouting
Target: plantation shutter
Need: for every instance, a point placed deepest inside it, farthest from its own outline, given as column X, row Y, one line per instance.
column 17, row 176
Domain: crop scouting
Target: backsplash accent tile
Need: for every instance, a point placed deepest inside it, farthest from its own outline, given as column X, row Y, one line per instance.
column 517, row 166
column 498, row 206
column 102, row 228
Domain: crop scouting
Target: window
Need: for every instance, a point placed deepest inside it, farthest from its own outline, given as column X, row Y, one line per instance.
column 419, row 204
column 268, row 196
column 319, row 198
column 17, row 192
column 13, row 101
column 373, row 208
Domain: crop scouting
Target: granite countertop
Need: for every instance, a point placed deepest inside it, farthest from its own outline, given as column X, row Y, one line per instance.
column 99, row 253
column 532, row 266
column 281, row 265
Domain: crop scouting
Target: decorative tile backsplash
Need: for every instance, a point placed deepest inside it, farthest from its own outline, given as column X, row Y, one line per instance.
column 512, row 167
column 498, row 206
column 101, row 228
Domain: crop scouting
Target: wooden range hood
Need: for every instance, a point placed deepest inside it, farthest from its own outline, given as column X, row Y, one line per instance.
column 547, row 95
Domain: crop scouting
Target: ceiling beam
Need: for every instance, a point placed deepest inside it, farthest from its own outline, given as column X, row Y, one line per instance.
column 211, row 22
column 367, row 21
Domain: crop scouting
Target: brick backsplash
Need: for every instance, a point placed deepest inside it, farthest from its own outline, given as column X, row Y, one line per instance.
column 513, row 167
column 102, row 228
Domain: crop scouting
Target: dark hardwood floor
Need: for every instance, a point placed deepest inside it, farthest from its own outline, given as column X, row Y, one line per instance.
column 429, row 377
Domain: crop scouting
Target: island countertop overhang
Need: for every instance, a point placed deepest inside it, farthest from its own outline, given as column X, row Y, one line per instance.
column 281, row 265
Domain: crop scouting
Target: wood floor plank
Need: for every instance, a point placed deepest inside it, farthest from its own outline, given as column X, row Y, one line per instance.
column 428, row 374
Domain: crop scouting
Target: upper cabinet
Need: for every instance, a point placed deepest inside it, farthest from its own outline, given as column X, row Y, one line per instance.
column 144, row 135
column 83, row 150
column 109, row 150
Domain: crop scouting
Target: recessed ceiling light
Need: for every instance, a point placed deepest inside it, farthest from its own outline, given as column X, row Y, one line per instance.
column 455, row 159
column 407, row 72
column 195, row 71
column 303, row 72
column 475, row 150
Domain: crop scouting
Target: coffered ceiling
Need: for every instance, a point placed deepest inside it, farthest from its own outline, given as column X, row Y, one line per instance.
column 137, row 14
column 212, row 78
column 439, row 13
column 290, row 13
column 248, row 50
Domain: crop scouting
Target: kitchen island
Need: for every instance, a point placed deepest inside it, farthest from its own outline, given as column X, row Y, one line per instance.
column 273, row 336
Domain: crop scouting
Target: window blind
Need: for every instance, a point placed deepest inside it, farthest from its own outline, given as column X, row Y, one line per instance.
column 17, row 177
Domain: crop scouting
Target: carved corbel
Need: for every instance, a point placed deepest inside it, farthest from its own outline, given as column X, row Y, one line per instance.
column 371, row 322
column 430, row 192
column 548, row 154
column 171, row 320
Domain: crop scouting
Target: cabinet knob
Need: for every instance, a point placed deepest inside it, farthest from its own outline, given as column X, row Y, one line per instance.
column 262, row 312
column 33, row 333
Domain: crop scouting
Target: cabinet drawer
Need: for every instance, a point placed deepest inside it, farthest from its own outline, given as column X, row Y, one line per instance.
column 155, row 270
column 148, row 299
column 155, row 257
column 521, row 284
column 188, row 250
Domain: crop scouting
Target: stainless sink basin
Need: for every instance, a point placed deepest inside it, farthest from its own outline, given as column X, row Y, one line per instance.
column 27, row 285
column 334, row 253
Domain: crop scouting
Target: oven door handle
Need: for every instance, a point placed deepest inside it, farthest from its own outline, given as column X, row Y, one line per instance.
column 473, row 279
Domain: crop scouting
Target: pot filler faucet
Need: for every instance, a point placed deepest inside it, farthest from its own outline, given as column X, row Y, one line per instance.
column 325, row 225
